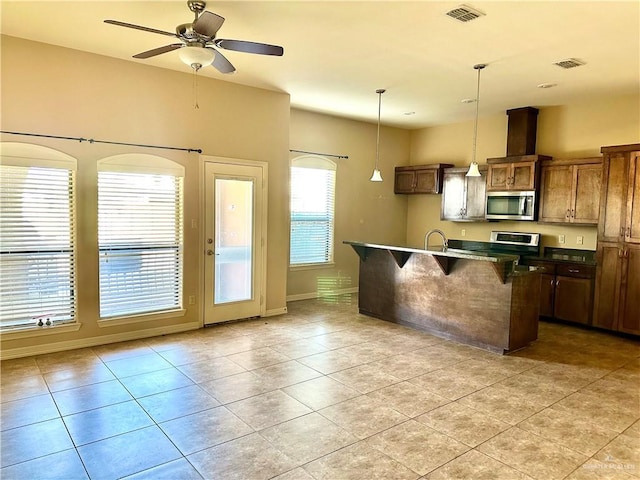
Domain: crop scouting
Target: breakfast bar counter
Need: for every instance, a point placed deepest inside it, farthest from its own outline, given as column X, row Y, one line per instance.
column 478, row 298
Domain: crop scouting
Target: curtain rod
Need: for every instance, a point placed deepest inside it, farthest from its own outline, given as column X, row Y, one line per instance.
column 323, row 154
column 91, row 140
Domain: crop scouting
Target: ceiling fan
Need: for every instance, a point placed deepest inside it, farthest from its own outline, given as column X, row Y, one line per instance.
column 198, row 39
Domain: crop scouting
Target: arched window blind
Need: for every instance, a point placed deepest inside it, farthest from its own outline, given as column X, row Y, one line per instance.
column 37, row 237
column 140, row 235
column 313, row 183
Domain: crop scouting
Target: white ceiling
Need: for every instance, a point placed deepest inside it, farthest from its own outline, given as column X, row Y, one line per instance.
column 338, row 53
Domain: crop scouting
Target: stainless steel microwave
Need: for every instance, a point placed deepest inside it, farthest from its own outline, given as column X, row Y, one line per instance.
column 511, row 205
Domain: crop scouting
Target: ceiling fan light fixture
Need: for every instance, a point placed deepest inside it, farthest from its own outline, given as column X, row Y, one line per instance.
column 196, row 56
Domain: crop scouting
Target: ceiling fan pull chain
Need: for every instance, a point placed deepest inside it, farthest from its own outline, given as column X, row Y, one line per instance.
column 195, row 88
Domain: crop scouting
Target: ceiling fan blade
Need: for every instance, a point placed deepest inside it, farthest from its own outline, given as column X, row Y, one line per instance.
column 208, row 24
column 138, row 27
column 159, row 50
column 249, row 47
column 221, row 63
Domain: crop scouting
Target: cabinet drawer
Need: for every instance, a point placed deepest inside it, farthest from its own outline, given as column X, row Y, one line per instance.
column 546, row 267
column 576, row 270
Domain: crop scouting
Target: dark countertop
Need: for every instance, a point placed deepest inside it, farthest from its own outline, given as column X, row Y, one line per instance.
column 565, row 255
column 442, row 252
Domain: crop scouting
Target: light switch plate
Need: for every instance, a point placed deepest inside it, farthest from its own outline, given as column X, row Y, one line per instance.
column 561, row 239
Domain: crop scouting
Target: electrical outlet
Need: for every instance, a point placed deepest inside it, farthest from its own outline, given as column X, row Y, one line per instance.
column 561, row 239
column 463, row 232
column 580, row 240
column 192, row 299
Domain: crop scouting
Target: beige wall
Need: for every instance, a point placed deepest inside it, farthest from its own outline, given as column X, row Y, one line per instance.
column 71, row 93
column 567, row 131
column 365, row 211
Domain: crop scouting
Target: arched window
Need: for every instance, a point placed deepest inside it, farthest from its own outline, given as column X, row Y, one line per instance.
column 37, row 237
column 313, row 185
column 140, row 235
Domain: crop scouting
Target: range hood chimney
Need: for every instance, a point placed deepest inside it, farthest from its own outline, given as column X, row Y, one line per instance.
column 521, row 131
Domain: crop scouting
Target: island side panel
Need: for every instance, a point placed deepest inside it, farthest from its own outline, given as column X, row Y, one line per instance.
column 525, row 301
column 469, row 305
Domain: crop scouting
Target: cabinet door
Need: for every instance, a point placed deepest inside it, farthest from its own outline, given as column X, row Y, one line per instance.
column 573, row 299
column 614, row 198
column 608, row 277
column 632, row 227
column 630, row 291
column 498, row 176
column 547, row 288
column 555, row 196
column 587, row 180
column 404, row 181
column 476, row 198
column 453, row 194
column 427, row 181
column 523, row 176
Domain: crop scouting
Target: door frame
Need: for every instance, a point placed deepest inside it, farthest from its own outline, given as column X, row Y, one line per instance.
column 201, row 226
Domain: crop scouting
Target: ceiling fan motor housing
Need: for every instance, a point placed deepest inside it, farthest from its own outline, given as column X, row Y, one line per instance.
column 186, row 31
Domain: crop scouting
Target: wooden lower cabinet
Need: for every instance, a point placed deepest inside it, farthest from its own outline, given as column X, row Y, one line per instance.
column 566, row 291
column 618, row 288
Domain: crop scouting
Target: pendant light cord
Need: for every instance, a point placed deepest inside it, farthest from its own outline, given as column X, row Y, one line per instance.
column 379, row 92
column 478, row 67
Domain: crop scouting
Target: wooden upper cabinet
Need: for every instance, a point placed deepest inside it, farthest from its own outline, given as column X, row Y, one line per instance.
column 419, row 178
column 632, row 224
column 463, row 198
column 620, row 197
column 513, row 173
column 570, row 191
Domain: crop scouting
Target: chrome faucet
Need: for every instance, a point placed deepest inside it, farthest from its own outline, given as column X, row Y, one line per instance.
column 445, row 243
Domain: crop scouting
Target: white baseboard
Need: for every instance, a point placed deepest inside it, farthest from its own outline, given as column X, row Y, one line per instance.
column 311, row 295
column 93, row 341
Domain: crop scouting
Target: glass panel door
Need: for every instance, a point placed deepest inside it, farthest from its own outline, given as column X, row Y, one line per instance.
column 235, row 252
column 233, row 240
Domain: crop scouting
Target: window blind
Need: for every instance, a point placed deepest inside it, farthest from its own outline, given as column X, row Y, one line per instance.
column 140, row 238
column 312, row 214
column 37, row 249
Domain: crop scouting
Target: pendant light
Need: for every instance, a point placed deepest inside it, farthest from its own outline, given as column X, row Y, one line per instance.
column 376, row 177
column 473, row 168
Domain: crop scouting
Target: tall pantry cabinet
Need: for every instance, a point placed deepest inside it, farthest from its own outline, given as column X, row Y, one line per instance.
column 617, row 302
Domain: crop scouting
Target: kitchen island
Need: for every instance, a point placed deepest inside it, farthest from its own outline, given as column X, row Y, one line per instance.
column 478, row 298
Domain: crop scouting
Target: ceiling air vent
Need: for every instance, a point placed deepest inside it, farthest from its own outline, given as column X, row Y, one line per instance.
column 569, row 63
column 464, row 13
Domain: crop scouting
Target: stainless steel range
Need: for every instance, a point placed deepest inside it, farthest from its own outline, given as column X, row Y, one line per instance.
column 513, row 243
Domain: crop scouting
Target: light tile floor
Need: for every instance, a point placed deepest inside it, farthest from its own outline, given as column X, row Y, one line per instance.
column 325, row 393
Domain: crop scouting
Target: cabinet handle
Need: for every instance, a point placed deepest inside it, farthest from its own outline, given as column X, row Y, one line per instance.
column 573, row 270
column 620, row 253
column 573, row 214
column 628, row 232
column 626, row 253
column 557, row 282
column 622, row 231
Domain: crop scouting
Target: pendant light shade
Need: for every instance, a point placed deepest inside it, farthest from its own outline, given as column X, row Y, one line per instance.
column 473, row 168
column 377, row 177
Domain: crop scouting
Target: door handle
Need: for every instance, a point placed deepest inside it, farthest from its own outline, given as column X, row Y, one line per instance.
column 209, row 252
